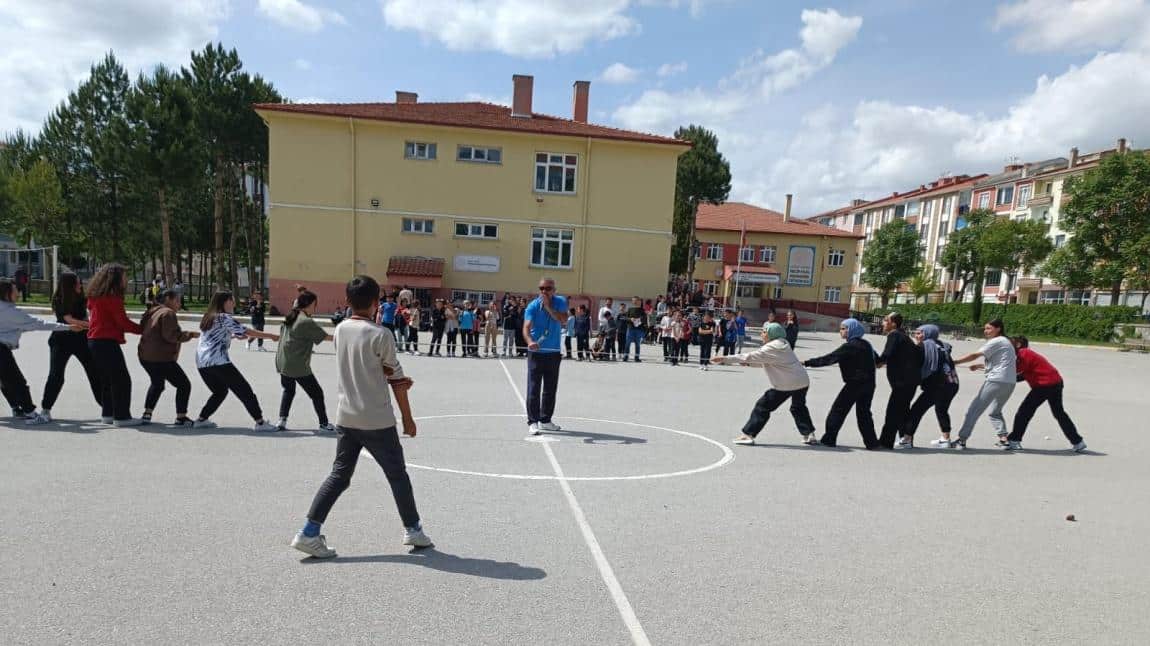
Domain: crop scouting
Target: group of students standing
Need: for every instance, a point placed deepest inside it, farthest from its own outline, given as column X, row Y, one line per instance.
column 921, row 365
column 91, row 326
column 467, row 330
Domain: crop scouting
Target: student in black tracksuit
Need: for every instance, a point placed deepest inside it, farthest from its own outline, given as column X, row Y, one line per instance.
column 939, row 386
column 856, row 359
column 438, row 325
column 70, row 307
column 903, row 362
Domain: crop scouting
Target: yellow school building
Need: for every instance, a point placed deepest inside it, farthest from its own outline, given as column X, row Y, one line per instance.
column 752, row 258
column 465, row 200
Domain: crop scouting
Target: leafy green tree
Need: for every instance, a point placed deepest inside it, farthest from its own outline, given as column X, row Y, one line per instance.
column 703, row 176
column 1108, row 217
column 890, row 258
column 922, row 283
column 37, row 212
column 1069, row 267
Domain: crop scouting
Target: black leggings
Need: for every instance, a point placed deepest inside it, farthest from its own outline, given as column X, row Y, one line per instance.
column 13, row 384
column 313, row 390
column 451, row 334
column 684, row 347
column 1035, row 398
column 859, row 396
column 221, row 379
column 770, row 401
column 62, row 346
column 384, row 446
column 436, row 339
column 583, row 345
column 670, row 350
column 935, row 392
column 115, row 381
column 161, row 372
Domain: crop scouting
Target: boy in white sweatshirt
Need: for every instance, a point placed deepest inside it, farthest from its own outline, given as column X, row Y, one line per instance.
column 13, row 323
column 788, row 380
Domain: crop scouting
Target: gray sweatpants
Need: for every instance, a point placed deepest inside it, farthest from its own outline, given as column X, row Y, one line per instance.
column 992, row 395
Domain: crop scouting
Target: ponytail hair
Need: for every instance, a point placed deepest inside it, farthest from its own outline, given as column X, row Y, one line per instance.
column 304, row 299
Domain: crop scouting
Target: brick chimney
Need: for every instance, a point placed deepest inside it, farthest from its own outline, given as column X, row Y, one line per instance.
column 579, row 102
column 406, row 97
column 521, row 98
column 1073, row 157
column 1122, row 145
column 858, row 201
column 787, row 210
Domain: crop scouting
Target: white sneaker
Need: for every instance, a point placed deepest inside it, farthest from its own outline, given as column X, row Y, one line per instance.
column 131, row 421
column 1080, row 447
column 533, row 429
column 416, row 538
column 204, row 423
column 745, row 441
column 313, row 546
column 548, row 426
column 941, row 443
column 107, row 420
column 36, row 419
column 281, row 425
column 264, row 427
column 904, row 443
column 325, row 429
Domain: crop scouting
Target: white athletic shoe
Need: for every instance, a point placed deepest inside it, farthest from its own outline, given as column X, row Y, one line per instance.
column 533, row 429
column 264, row 427
column 904, row 443
column 1080, row 447
column 325, row 429
column 313, row 546
column 941, row 443
column 36, row 419
column 416, row 538
column 281, row 425
column 744, row 440
column 131, row 421
column 204, row 423
column 548, row 426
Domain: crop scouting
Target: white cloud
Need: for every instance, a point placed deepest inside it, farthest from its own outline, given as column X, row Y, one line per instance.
column 1078, row 25
column 671, row 69
column 48, row 47
column 619, row 74
column 294, row 14
column 488, row 98
column 694, row 6
column 303, row 65
column 528, row 28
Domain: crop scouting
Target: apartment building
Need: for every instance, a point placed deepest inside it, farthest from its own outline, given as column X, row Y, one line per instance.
column 466, row 200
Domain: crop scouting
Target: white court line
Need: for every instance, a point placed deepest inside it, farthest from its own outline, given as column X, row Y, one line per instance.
column 638, row 635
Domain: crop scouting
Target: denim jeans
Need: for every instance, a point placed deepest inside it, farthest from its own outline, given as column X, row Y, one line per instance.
column 384, row 446
column 635, row 336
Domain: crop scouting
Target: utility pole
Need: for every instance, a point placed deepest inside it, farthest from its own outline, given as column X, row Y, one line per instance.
column 693, row 244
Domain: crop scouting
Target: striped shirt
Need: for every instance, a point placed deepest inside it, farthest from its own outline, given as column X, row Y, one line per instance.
column 214, row 344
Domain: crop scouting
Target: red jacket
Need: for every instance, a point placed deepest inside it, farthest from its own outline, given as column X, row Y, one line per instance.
column 108, row 320
column 1036, row 370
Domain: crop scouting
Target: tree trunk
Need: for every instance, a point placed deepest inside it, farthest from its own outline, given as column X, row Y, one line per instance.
column 218, row 197
column 1115, row 292
column 885, row 300
column 976, row 303
column 166, row 237
column 232, row 282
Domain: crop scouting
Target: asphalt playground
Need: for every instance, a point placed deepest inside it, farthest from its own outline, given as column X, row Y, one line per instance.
column 638, row 523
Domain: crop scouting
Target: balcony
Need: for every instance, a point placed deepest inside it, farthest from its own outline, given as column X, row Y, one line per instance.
column 1029, row 283
column 1040, row 200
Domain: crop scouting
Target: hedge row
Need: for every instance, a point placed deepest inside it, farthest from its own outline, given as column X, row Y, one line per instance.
column 1069, row 321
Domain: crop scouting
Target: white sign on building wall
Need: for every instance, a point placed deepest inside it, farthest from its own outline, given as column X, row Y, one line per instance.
column 801, row 266
column 485, row 264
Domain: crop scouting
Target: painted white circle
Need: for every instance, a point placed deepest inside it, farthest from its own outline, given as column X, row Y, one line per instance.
column 727, row 457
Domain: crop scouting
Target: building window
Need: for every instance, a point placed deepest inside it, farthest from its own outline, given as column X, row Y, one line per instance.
column 1024, row 195
column 1059, row 241
column 946, row 204
column 555, row 173
column 552, row 247
column 836, row 258
column 1005, row 196
column 750, row 291
column 710, row 288
column 777, row 293
column 747, row 254
column 1077, row 297
column 413, row 225
column 984, row 201
column 912, row 208
column 767, row 254
column 832, row 294
column 714, row 252
column 419, row 150
column 470, row 230
column 482, row 298
column 1051, row 297
column 993, row 277
column 481, row 155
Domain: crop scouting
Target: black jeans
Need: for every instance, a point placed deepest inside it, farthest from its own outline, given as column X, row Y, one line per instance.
column 542, row 385
column 221, row 379
column 62, row 346
column 313, row 390
column 937, row 393
column 115, row 382
column 858, row 395
column 897, row 412
column 451, row 334
column 258, row 324
column 13, row 384
column 1035, row 398
column 436, row 339
column 684, row 347
column 384, row 446
column 167, row 371
column 705, row 351
column 670, row 350
column 771, row 400
column 567, row 345
column 413, row 338
column 583, row 345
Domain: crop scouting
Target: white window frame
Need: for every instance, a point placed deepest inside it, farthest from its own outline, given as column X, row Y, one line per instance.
column 836, row 258
column 710, row 288
column 420, row 150
column 984, row 200
column 1024, row 193
column 543, row 237
column 777, row 293
column 1000, row 200
column 418, row 226
column 714, row 251
column 476, row 230
column 1059, row 241
column 747, row 254
column 473, row 154
column 750, row 291
column 832, row 294
column 563, row 163
column 991, row 272
column 482, row 298
column 767, row 254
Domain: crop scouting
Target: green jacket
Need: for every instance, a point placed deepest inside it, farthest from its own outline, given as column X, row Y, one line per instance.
column 293, row 356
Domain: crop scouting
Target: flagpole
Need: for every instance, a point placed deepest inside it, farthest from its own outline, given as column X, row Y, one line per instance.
column 739, row 265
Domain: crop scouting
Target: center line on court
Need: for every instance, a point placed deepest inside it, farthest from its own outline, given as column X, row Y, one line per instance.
column 638, row 635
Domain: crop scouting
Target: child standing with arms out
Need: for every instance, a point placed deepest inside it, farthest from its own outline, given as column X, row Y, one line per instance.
column 367, row 366
column 159, row 351
column 299, row 335
column 13, row 323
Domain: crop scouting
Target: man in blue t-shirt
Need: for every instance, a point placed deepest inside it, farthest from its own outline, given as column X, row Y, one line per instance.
column 387, row 312
column 543, row 323
column 741, row 328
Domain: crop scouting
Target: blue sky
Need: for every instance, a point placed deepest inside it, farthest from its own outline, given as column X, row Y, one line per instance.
column 828, row 101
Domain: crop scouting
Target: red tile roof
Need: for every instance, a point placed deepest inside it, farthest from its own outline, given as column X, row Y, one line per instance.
column 731, row 215
column 484, row 116
column 415, row 266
